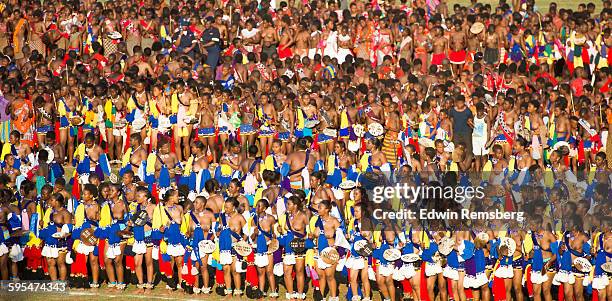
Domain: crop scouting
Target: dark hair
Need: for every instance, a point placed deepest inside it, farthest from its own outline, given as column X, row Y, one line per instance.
column 233, row 143
column 28, row 186
column 145, row 190
column 320, row 174
column 59, row 198
column 169, row 193
column 377, row 143
column 234, row 201
column 327, row 204
column 91, row 188
column 295, row 200
column 264, row 201
column 211, row 186
column 253, row 150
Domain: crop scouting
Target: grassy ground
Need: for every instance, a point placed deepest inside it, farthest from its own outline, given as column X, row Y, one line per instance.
column 129, row 294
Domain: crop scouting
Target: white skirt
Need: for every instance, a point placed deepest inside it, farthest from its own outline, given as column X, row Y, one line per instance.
column 238, row 267
column 356, row 263
column 321, row 264
column 475, row 281
column 432, row 269
column 397, row 274
column 278, row 270
column 408, row 270
column 84, row 249
column 371, row 274
column 3, row 249
column 341, row 264
column 450, row 273
column 225, row 258
column 139, row 247
column 113, row 251
column 564, row 277
column 601, row 282
column 175, row 250
column 16, row 253
column 49, row 252
column 289, row 259
column 386, row 270
column 505, row 272
column 261, row 260
column 538, row 278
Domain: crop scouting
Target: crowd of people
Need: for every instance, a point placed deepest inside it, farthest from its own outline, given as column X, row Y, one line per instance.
column 233, row 147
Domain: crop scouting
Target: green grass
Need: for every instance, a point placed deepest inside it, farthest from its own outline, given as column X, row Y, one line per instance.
column 159, row 293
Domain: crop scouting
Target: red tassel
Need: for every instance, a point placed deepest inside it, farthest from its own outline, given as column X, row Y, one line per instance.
column 468, row 293
column 363, row 145
column 449, row 287
column 499, row 289
column 45, row 267
column 528, row 280
column 172, row 142
column 596, row 144
column 57, row 132
column 238, row 138
column 509, row 205
column 79, row 266
column 560, row 293
column 27, row 254
column 194, row 134
column 595, row 295
column 315, row 282
column 128, row 133
column 414, row 142
column 130, row 263
column 581, row 152
column 586, row 60
column 315, row 142
column 251, row 272
column 35, row 139
column 101, row 253
column 407, row 288
column 188, row 277
column 37, row 259
column 219, row 277
column 76, row 193
column 374, row 265
column 216, row 135
column 80, row 134
column 566, row 160
column 155, row 193
column 164, row 266
column 423, row 284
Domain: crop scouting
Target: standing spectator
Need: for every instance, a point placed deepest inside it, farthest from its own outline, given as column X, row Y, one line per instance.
column 185, row 40
column 211, row 41
column 463, row 123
